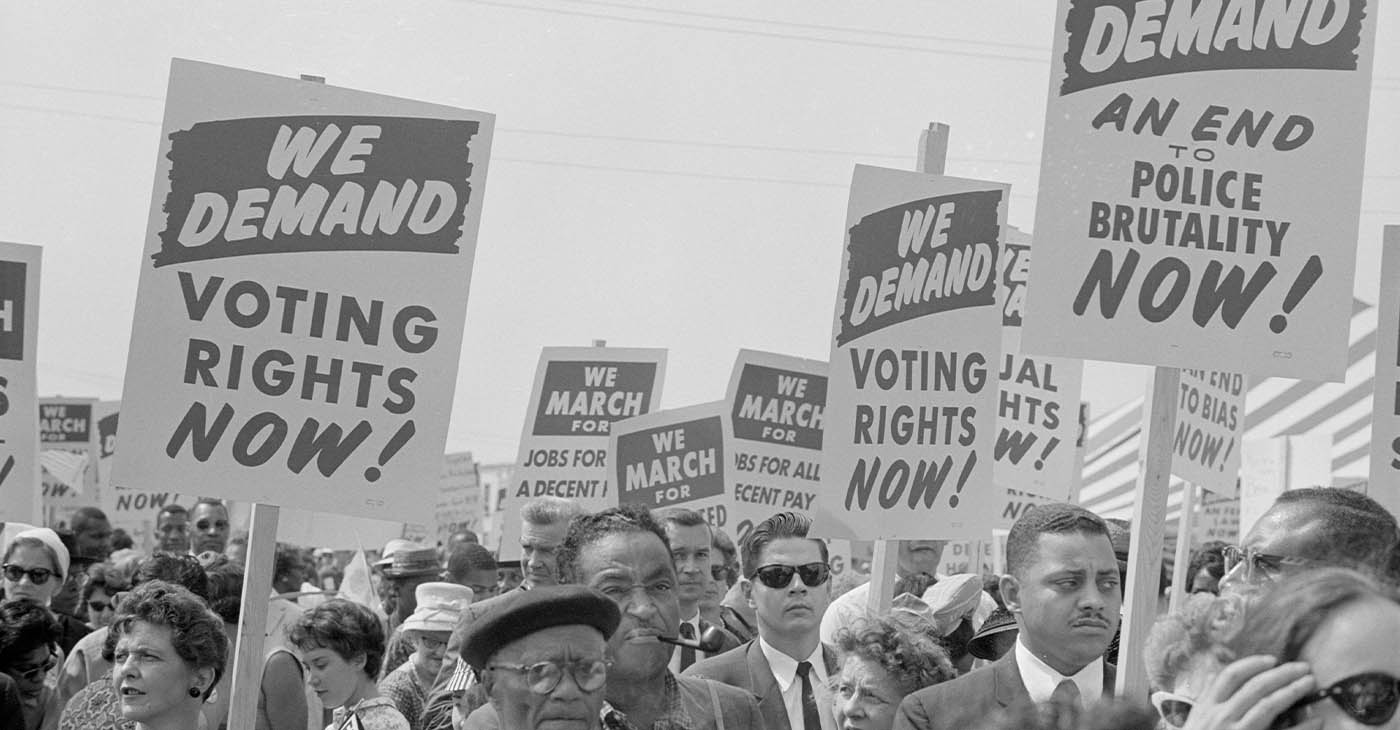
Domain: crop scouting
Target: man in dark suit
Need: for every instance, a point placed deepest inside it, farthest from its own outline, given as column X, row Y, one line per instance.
column 1063, row 587
column 787, row 580
column 689, row 536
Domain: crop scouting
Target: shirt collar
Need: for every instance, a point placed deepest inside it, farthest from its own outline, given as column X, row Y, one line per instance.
column 1041, row 679
column 784, row 667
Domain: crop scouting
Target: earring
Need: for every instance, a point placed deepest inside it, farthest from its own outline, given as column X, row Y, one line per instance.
column 195, row 692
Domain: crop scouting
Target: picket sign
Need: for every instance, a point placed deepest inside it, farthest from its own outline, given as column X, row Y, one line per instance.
column 1184, row 535
column 933, row 156
column 252, row 618
column 1149, row 523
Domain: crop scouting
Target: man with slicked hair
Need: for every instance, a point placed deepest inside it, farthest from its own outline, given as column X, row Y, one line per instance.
column 1063, row 587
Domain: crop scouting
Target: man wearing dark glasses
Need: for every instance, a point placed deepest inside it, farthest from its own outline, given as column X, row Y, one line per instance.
column 787, row 580
column 1063, row 587
column 1312, row 528
column 689, row 536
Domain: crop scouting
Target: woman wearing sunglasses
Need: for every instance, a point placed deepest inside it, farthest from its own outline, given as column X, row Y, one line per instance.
column 28, row 650
column 1183, row 653
column 1320, row 651
column 34, row 565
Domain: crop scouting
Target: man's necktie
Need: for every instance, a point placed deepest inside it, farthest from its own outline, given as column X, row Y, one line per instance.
column 1067, row 703
column 687, row 652
column 810, row 720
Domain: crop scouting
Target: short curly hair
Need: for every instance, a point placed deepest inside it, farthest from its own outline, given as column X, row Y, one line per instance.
column 196, row 632
column 111, row 579
column 178, row 568
column 344, row 627
column 1195, row 631
column 587, row 529
column 914, row 660
column 24, row 627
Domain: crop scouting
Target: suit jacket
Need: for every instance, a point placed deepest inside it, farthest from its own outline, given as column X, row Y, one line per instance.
column 747, row 668
column 972, row 699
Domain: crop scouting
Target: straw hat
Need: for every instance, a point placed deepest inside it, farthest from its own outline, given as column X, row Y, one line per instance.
column 413, row 562
column 440, row 606
column 386, row 556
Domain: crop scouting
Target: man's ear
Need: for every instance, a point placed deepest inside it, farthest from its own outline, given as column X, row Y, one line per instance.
column 1011, row 593
column 747, row 588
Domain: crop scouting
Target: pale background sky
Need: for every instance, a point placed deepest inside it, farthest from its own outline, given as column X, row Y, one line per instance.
column 665, row 174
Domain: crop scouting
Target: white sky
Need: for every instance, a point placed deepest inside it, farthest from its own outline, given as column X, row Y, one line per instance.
column 664, row 174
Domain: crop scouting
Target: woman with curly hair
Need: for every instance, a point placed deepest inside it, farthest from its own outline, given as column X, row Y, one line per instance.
column 168, row 653
column 1183, row 652
column 342, row 646
column 28, row 650
column 881, row 662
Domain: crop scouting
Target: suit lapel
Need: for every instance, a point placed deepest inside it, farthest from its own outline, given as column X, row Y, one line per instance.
column 1008, row 686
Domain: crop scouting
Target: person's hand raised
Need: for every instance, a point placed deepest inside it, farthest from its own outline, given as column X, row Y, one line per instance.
column 1250, row 693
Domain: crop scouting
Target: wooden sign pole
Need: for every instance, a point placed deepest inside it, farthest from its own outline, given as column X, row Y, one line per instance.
column 1149, row 518
column 1182, row 564
column 252, row 618
column 933, row 156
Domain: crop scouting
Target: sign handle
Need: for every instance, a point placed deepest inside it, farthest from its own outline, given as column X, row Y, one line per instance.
column 1149, row 518
column 933, row 155
column 1184, row 533
column 252, row 619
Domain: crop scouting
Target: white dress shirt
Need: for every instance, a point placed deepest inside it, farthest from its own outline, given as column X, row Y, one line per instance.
column 1041, row 679
column 785, row 673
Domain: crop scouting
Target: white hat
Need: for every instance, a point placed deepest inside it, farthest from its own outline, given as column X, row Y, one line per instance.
column 52, row 541
column 440, row 606
column 386, row 556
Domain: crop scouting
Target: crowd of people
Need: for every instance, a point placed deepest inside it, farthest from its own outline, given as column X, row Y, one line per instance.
column 625, row 619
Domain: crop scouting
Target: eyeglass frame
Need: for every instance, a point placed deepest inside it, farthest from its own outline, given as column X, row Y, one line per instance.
column 22, row 572
column 1250, row 557
column 1159, row 699
column 1334, row 692
column 572, row 668
column 796, row 570
column 36, row 673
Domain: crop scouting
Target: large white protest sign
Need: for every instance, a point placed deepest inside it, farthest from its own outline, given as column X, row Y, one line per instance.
column 1201, row 184
column 1037, row 396
column 675, row 458
column 1271, row 466
column 579, row 393
column 911, row 398
column 777, row 406
column 302, row 294
column 1384, row 484
column 19, row 405
column 1209, row 429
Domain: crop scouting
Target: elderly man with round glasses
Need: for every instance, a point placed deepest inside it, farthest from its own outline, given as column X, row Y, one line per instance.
column 541, row 656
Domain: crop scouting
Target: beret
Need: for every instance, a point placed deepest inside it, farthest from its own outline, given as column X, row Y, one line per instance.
column 518, row 614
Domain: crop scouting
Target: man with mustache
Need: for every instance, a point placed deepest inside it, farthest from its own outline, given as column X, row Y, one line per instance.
column 787, row 580
column 1063, row 587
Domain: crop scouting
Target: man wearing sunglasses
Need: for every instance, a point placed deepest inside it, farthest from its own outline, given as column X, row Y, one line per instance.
column 210, row 518
column 1313, row 528
column 541, row 656
column 1064, row 589
column 787, row 580
column 689, row 536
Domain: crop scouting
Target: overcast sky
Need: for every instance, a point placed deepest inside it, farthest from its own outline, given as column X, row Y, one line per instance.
column 664, row 174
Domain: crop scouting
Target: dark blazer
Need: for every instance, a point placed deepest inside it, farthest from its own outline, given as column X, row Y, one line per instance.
column 747, row 668
column 972, row 699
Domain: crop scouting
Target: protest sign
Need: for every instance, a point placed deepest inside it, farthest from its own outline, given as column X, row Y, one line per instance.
column 495, row 480
column 1271, row 466
column 1384, row 484
column 19, row 404
column 776, row 410
column 1209, row 429
column 1181, row 209
column 67, row 456
column 302, row 294
column 458, row 505
column 1218, row 519
column 579, row 393
column 1035, row 447
column 675, row 458
column 911, row 399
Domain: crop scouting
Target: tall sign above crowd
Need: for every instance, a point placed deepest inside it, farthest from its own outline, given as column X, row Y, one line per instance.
column 579, row 394
column 675, row 458
column 302, row 294
column 916, row 344
column 1385, row 412
column 19, row 404
column 1201, row 184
